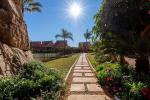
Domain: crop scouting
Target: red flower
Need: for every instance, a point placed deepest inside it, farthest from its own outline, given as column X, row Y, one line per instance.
column 115, row 89
column 109, row 79
column 146, row 93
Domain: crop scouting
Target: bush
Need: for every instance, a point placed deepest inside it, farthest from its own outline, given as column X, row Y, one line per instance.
column 101, row 57
column 34, row 80
column 108, row 70
column 132, row 91
column 122, row 81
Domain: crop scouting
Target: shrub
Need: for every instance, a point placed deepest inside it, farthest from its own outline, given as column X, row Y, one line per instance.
column 132, row 90
column 112, row 70
column 34, row 80
column 122, row 81
column 101, row 57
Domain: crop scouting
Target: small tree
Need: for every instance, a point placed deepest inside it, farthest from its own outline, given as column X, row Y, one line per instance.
column 87, row 36
column 123, row 28
column 65, row 35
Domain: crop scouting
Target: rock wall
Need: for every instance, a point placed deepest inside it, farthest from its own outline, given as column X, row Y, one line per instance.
column 14, row 40
column 12, row 27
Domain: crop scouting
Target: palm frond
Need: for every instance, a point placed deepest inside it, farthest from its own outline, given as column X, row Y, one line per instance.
column 58, row 35
column 35, row 4
column 70, row 37
column 65, row 34
column 30, row 6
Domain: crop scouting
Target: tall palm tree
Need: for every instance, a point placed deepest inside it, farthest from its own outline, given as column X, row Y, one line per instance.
column 30, row 6
column 64, row 35
column 87, row 36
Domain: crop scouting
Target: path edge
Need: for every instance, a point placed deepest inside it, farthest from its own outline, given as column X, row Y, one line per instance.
column 90, row 63
column 66, row 78
column 115, row 97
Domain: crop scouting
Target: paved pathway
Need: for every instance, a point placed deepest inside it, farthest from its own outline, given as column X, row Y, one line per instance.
column 84, row 84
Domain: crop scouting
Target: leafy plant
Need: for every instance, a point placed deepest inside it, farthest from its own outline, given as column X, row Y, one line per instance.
column 122, row 81
column 133, row 90
column 120, row 34
column 33, row 81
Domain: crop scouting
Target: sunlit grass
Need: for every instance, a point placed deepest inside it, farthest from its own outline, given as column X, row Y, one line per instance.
column 62, row 64
column 91, row 57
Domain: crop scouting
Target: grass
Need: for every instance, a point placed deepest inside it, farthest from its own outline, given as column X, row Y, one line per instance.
column 91, row 57
column 62, row 64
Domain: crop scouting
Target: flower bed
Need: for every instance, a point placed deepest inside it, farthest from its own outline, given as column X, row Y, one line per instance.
column 123, row 82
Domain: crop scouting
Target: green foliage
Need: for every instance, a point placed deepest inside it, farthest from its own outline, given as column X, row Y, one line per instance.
column 133, row 90
column 33, row 81
column 105, row 70
column 122, row 81
column 101, row 55
column 65, row 35
column 119, row 32
column 30, row 6
column 87, row 35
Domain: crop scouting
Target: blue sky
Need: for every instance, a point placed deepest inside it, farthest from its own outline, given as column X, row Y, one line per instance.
column 54, row 16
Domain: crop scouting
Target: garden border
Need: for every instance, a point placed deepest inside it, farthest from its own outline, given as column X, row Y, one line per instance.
column 90, row 63
column 116, row 98
column 71, row 69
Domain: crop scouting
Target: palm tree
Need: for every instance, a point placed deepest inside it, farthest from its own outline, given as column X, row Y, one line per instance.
column 64, row 35
column 30, row 6
column 87, row 36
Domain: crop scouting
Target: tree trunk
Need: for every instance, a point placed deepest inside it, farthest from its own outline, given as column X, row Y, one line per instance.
column 142, row 65
column 64, row 46
column 122, row 60
column 86, row 47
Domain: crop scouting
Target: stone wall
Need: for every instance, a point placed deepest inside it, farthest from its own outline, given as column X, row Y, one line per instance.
column 14, row 40
column 12, row 27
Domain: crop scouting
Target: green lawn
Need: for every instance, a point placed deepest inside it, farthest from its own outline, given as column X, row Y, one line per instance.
column 62, row 64
column 91, row 57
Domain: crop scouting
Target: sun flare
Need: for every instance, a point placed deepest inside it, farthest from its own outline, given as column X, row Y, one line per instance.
column 75, row 10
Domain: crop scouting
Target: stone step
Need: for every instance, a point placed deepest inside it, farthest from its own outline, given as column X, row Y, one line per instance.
column 88, row 97
column 85, row 79
column 77, row 70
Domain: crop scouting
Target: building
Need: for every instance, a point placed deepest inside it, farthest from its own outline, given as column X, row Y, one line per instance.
column 41, row 46
column 84, row 46
column 61, row 43
column 47, row 46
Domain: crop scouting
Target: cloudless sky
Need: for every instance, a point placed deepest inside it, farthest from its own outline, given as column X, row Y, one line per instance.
column 54, row 16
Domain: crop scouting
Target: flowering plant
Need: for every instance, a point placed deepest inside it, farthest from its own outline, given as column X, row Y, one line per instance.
column 146, row 93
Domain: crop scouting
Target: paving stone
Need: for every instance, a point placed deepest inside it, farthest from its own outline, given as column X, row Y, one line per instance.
column 77, row 87
column 78, row 63
column 85, row 63
column 88, row 97
column 82, row 70
column 86, row 68
column 78, row 68
column 89, row 79
column 81, row 65
column 77, row 74
column 89, row 74
column 94, row 88
column 85, row 79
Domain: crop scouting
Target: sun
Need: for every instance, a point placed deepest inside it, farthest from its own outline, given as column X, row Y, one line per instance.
column 75, row 10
